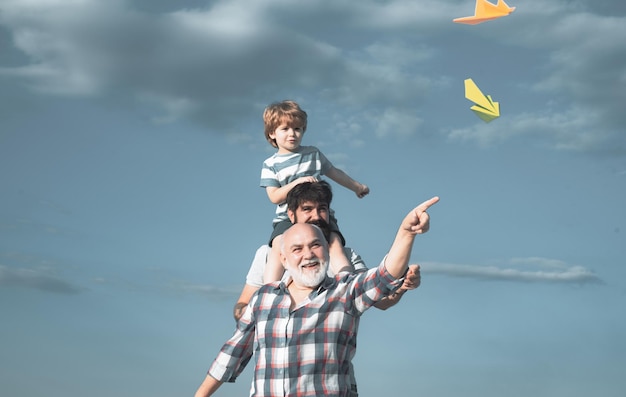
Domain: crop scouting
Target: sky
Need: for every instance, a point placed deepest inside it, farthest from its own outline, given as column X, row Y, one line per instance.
column 131, row 144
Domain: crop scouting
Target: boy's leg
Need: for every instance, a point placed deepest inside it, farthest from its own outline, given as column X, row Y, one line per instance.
column 338, row 260
column 274, row 268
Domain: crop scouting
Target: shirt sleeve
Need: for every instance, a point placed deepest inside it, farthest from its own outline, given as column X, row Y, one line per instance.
column 356, row 260
column 237, row 351
column 372, row 286
column 268, row 175
column 325, row 164
column 257, row 268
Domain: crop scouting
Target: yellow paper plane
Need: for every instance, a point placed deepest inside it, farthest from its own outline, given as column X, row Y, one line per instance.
column 485, row 107
column 486, row 11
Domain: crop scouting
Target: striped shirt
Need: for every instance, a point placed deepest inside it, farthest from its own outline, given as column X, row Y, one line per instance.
column 307, row 351
column 281, row 169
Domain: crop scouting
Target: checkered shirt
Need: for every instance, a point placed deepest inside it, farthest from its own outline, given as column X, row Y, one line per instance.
column 307, row 351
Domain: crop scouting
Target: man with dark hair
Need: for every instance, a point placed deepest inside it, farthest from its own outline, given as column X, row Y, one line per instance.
column 303, row 330
column 309, row 202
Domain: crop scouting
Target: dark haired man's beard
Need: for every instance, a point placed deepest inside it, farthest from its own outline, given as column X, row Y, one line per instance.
column 322, row 224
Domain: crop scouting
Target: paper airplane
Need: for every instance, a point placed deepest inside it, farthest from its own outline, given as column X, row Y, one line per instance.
column 486, row 11
column 485, row 107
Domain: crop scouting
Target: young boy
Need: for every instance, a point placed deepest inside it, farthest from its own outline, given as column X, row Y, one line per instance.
column 285, row 124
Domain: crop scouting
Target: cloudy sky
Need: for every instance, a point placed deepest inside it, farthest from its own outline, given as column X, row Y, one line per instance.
column 131, row 143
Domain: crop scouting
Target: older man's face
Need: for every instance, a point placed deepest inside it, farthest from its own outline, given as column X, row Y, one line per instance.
column 310, row 212
column 305, row 255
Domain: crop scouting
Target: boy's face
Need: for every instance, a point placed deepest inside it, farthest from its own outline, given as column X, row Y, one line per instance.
column 287, row 137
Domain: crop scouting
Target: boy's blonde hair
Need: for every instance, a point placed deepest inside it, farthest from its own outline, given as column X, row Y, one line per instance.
column 284, row 112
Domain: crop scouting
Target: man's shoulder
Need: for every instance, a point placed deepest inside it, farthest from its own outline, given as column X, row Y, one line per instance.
column 342, row 283
column 270, row 292
column 356, row 260
column 257, row 267
column 262, row 250
column 267, row 287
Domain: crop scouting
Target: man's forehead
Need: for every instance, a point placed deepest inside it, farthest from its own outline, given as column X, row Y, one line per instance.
column 312, row 204
column 301, row 233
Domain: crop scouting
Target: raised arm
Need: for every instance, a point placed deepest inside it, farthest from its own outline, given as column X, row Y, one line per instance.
column 346, row 181
column 278, row 195
column 416, row 222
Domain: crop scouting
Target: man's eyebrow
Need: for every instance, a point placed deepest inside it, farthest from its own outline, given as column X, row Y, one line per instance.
column 295, row 245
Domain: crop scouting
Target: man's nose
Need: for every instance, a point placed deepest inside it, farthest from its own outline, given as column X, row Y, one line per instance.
column 308, row 253
column 315, row 215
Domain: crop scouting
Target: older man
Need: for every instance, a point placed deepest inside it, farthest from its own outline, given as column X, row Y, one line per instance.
column 309, row 202
column 304, row 330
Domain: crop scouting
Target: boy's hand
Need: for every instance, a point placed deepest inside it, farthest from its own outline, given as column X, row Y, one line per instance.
column 304, row 179
column 362, row 191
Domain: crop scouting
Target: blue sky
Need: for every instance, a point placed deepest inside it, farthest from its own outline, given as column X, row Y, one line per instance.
column 131, row 143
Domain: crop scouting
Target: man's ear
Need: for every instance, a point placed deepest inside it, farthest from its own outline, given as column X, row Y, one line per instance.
column 283, row 260
column 292, row 216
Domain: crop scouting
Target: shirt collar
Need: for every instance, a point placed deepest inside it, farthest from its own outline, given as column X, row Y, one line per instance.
column 324, row 285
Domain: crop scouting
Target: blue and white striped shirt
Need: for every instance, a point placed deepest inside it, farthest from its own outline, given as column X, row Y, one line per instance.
column 281, row 169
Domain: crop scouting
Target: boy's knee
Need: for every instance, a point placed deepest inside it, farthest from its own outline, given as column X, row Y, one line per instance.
column 276, row 243
column 336, row 240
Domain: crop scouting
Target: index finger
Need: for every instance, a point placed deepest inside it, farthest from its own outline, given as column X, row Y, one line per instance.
column 427, row 204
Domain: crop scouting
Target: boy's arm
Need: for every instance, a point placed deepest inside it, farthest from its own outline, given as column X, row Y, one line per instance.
column 416, row 222
column 278, row 195
column 344, row 180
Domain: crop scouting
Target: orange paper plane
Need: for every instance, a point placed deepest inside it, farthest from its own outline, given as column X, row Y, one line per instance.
column 486, row 11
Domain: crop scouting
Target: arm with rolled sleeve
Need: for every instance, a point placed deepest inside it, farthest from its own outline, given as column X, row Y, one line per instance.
column 232, row 358
column 369, row 288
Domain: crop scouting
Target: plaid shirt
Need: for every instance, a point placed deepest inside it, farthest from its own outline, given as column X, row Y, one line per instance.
column 308, row 351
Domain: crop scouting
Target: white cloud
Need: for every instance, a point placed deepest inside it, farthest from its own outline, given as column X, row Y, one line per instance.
column 395, row 123
column 35, row 279
column 579, row 86
column 533, row 270
column 540, row 262
column 202, row 64
column 589, row 63
column 206, row 290
column 574, row 129
column 373, row 57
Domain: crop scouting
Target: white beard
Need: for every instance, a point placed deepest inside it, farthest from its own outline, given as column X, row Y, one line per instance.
column 308, row 278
